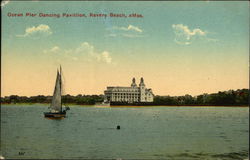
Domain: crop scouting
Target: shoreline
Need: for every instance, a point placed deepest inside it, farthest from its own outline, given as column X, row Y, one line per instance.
column 175, row 106
column 127, row 106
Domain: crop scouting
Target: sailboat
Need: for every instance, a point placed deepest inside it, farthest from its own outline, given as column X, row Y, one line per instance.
column 56, row 105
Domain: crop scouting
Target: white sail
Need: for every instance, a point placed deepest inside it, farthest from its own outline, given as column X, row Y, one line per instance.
column 56, row 105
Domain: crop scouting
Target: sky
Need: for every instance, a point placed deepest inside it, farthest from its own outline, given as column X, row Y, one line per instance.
column 177, row 47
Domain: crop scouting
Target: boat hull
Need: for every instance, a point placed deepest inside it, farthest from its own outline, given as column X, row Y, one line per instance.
column 54, row 115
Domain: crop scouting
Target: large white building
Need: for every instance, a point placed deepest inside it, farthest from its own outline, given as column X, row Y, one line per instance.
column 131, row 94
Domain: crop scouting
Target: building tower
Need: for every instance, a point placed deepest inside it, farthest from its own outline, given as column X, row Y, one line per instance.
column 142, row 90
column 133, row 85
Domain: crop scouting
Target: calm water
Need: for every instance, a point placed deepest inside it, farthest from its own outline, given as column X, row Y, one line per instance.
column 146, row 133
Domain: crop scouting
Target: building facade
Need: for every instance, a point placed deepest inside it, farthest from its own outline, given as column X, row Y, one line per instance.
column 132, row 94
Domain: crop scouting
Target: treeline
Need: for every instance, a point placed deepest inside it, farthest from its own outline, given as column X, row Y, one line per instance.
column 79, row 99
column 227, row 98
column 239, row 97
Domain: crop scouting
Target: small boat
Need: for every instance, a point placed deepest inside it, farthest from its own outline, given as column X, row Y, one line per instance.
column 56, row 105
column 102, row 104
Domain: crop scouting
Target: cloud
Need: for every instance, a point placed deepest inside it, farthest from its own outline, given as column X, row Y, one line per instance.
column 40, row 30
column 54, row 49
column 130, row 31
column 106, row 57
column 87, row 49
column 184, row 35
column 3, row 3
column 129, row 28
column 137, row 29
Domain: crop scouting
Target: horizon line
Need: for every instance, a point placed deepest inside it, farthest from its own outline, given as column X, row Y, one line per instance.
column 103, row 94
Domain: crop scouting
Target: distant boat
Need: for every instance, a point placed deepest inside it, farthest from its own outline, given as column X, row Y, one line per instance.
column 56, row 105
column 102, row 104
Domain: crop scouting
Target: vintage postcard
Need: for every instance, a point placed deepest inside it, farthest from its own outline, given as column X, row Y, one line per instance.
column 125, row 80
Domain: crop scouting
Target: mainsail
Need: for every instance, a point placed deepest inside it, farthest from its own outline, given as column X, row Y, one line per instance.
column 56, row 105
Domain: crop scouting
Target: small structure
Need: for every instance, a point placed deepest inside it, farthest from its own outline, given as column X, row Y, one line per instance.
column 129, row 95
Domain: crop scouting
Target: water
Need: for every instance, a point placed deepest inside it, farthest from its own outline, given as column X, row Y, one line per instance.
column 146, row 133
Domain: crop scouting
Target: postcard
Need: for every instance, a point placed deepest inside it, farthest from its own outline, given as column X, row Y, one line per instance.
column 125, row 80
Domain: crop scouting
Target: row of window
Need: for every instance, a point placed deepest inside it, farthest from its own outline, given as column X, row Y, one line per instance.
column 129, row 95
column 123, row 97
column 124, row 90
column 117, row 98
column 125, row 94
column 125, row 101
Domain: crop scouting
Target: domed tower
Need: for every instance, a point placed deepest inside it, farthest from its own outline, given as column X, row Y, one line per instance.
column 133, row 85
column 142, row 90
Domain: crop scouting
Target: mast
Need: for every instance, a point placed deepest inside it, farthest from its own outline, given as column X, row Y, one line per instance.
column 61, row 85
